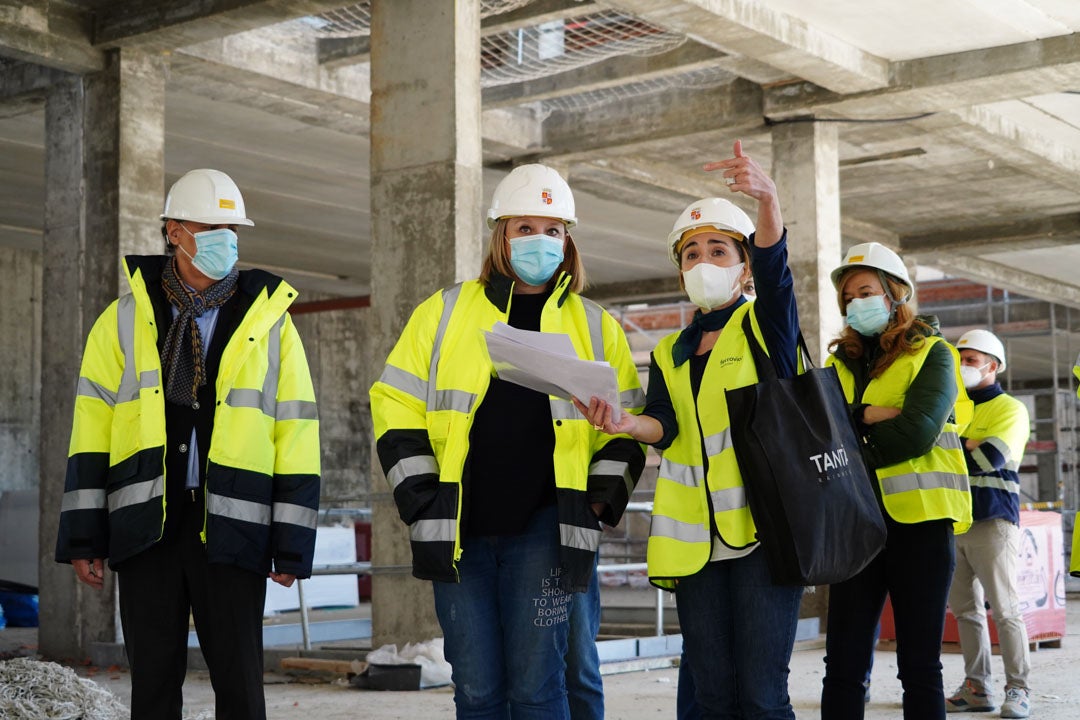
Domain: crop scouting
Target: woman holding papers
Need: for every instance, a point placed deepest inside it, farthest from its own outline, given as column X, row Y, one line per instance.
column 738, row 628
column 504, row 488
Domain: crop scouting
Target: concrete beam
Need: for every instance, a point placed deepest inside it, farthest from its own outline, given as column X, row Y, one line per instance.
column 733, row 109
column 992, row 121
column 652, row 289
column 943, row 82
column 22, row 80
column 162, row 25
column 1008, row 278
column 746, row 28
column 855, row 231
column 608, row 73
column 1027, row 234
column 344, row 51
column 48, row 33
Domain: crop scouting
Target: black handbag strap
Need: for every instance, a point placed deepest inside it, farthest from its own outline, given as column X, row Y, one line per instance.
column 765, row 368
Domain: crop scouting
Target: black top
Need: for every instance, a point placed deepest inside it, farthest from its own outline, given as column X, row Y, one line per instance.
column 511, row 466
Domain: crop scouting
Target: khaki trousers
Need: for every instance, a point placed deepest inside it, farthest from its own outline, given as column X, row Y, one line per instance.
column 986, row 569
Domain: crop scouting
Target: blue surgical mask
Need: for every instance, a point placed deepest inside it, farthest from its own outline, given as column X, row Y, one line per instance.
column 535, row 258
column 215, row 252
column 868, row 316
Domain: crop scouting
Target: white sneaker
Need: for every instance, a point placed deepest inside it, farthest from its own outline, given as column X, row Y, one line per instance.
column 1017, row 703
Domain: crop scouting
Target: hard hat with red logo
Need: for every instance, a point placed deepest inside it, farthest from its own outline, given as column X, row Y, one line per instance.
column 716, row 213
column 206, row 196
column 532, row 189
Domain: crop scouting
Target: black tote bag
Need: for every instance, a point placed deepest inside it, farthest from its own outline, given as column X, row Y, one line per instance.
column 807, row 485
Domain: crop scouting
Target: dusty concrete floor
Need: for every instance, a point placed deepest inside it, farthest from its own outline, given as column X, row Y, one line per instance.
column 1055, row 679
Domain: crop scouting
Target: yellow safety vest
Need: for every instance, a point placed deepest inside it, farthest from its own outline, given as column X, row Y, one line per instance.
column 933, row 486
column 424, row 403
column 688, row 506
column 262, row 475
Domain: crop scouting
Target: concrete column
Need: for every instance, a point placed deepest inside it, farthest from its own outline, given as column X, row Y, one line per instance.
column 20, row 357
column 806, row 171
column 104, row 179
column 426, row 191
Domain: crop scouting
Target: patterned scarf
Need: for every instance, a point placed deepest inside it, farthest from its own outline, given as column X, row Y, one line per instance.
column 183, row 362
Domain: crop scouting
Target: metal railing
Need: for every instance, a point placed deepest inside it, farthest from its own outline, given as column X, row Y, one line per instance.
column 364, row 568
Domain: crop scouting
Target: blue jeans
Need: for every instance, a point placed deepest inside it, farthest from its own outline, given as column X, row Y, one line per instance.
column 584, row 686
column 506, row 625
column 915, row 570
column 738, row 630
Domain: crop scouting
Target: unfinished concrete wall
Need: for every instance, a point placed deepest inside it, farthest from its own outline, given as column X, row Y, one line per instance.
column 334, row 342
column 20, row 358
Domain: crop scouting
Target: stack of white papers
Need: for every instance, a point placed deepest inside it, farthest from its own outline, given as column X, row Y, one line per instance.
column 547, row 363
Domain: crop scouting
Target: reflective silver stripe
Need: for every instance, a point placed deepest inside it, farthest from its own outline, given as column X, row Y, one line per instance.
column 993, row 482
column 949, row 441
column 249, row 398
column 618, row 468
column 137, row 493
column 83, row 500
column 594, row 317
column 148, row 379
column 730, row 499
column 718, row 442
column 295, row 515
column 688, row 475
column 236, row 509
column 410, row 466
column 664, row 526
column 564, row 410
column 297, row 410
column 579, row 537
column 125, row 333
column 633, row 398
column 450, row 298
column 433, row 530
column 1002, row 448
column 458, row 400
column 89, row 388
column 404, row 381
column 924, row 481
column 273, row 369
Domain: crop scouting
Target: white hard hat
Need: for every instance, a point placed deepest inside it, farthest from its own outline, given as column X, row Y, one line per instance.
column 985, row 342
column 206, row 196
column 716, row 212
column 878, row 257
column 532, row 189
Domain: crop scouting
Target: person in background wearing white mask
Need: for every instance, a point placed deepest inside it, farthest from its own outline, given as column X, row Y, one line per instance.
column 994, row 445
column 504, row 488
column 738, row 627
column 182, row 471
column 903, row 381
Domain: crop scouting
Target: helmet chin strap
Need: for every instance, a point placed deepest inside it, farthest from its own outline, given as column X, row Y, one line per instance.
column 888, row 292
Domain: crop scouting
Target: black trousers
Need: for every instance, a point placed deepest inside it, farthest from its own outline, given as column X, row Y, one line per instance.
column 915, row 569
column 158, row 589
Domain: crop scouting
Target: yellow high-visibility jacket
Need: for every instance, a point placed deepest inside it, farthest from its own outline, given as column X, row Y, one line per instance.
column 262, row 474
column 689, row 506
column 424, row 403
column 932, row 486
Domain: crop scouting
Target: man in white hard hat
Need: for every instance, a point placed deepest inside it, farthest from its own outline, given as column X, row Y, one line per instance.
column 194, row 458
column 986, row 554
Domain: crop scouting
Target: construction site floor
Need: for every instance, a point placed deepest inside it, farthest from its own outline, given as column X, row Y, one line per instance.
column 629, row 695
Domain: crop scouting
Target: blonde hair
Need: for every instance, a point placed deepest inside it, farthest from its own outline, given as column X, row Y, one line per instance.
column 498, row 260
column 903, row 334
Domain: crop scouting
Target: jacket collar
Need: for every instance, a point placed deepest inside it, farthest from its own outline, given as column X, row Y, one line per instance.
column 500, row 288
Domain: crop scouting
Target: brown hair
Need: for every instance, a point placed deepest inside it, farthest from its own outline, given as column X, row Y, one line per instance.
column 903, row 334
column 498, row 260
